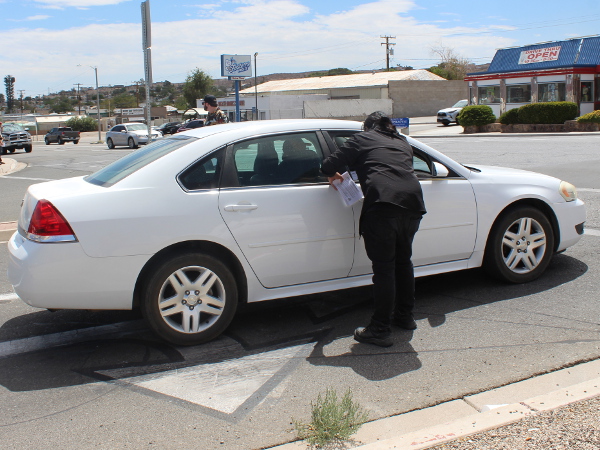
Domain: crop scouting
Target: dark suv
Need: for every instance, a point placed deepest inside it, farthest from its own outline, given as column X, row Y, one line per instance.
column 196, row 123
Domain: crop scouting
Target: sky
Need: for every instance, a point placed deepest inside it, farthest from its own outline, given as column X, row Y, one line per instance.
column 53, row 45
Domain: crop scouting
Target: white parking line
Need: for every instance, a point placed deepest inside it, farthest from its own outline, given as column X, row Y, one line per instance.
column 8, row 297
column 45, row 341
column 592, row 232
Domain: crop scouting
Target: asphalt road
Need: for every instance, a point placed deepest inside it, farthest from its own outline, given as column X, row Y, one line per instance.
column 101, row 379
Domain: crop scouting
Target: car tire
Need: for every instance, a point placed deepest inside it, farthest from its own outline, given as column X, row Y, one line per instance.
column 60, row 141
column 75, row 142
column 189, row 299
column 46, row 141
column 456, row 120
column 131, row 143
column 3, row 151
column 28, row 148
column 110, row 144
column 445, row 123
column 520, row 245
column 12, row 150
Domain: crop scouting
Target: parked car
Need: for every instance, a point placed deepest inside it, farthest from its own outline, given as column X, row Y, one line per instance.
column 190, row 125
column 14, row 137
column 60, row 135
column 169, row 127
column 130, row 134
column 447, row 116
column 199, row 222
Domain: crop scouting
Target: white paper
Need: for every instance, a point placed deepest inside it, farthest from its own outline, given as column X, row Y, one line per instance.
column 349, row 192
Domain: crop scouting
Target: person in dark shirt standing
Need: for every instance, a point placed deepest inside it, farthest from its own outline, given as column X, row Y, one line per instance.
column 392, row 210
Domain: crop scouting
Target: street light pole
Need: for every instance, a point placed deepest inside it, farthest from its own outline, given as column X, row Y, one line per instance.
column 255, row 88
column 97, row 103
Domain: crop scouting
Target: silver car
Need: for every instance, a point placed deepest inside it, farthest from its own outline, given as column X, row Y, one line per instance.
column 131, row 135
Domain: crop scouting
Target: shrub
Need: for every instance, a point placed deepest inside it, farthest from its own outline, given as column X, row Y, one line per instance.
column 476, row 115
column 510, row 117
column 550, row 112
column 332, row 421
column 82, row 123
column 593, row 117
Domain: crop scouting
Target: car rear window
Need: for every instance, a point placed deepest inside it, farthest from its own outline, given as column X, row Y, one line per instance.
column 116, row 171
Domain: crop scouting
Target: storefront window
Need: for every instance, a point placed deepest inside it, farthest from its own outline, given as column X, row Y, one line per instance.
column 518, row 93
column 587, row 91
column 551, row 92
column 488, row 94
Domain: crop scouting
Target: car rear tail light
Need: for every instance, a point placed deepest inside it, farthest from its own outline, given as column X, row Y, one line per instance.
column 47, row 224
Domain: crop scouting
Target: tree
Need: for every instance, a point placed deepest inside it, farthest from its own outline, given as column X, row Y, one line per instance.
column 60, row 104
column 452, row 65
column 197, row 85
column 124, row 101
column 332, row 72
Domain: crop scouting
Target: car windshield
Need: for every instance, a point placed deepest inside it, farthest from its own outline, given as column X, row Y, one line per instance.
column 11, row 127
column 461, row 104
column 127, row 165
column 136, row 127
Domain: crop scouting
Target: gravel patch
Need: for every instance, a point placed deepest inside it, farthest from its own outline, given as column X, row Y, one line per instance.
column 573, row 427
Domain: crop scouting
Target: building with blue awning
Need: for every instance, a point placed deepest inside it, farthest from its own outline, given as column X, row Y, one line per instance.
column 566, row 70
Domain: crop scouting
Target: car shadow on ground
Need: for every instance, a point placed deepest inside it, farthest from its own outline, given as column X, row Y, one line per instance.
column 323, row 320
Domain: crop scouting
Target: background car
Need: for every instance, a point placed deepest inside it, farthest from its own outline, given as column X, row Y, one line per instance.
column 197, row 223
column 169, row 127
column 448, row 115
column 190, row 125
column 130, row 135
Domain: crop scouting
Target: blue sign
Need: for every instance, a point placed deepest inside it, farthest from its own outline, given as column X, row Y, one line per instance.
column 401, row 122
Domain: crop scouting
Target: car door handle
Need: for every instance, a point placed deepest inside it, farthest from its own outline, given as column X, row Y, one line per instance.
column 240, row 207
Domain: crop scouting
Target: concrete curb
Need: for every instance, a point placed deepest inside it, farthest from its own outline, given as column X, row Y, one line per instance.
column 10, row 166
column 476, row 413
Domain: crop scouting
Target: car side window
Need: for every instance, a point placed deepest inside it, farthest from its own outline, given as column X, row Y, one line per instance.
column 118, row 128
column 280, row 159
column 203, row 174
column 421, row 166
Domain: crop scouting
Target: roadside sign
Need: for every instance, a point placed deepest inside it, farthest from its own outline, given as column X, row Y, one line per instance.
column 402, row 122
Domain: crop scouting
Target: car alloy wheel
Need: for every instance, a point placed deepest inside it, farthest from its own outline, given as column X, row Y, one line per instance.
column 47, row 141
column 520, row 245
column 190, row 299
column 131, row 143
column 110, row 143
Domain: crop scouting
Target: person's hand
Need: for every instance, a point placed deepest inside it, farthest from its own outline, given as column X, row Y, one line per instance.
column 338, row 177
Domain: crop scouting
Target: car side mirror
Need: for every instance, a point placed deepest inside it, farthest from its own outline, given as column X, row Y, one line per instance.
column 441, row 171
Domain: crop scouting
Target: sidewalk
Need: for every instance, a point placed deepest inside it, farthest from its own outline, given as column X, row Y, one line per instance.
column 524, row 411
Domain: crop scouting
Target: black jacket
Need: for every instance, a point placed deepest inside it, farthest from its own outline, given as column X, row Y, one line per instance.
column 383, row 161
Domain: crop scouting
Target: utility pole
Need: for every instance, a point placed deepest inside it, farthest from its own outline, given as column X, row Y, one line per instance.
column 388, row 50
column 78, row 99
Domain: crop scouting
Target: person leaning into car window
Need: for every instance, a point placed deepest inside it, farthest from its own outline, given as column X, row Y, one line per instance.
column 215, row 115
column 390, row 217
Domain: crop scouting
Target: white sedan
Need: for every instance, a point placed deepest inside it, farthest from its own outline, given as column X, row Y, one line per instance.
column 130, row 134
column 194, row 224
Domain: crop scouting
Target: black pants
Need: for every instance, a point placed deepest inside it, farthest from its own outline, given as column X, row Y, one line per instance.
column 388, row 236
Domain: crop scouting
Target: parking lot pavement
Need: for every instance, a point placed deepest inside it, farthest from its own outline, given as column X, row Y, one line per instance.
column 523, row 404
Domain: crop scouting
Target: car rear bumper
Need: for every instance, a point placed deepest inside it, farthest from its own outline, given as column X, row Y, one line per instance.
column 43, row 275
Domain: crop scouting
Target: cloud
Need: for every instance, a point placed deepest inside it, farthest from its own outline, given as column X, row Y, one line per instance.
column 60, row 4
column 287, row 35
column 38, row 17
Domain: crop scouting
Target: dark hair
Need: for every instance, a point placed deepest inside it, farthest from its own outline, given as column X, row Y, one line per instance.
column 379, row 119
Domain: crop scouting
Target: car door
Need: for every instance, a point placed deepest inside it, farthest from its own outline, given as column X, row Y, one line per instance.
column 119, row 136
column 447, row 232
column 289, row 224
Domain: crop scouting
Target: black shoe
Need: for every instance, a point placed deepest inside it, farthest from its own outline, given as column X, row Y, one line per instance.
column 405, row 321
column 368, row 335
